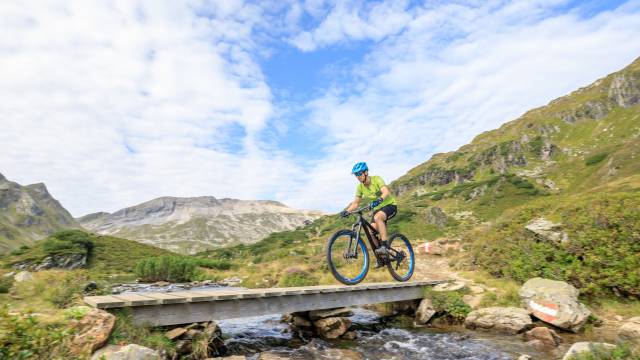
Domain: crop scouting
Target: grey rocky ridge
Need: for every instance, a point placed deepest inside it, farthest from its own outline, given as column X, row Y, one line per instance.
column 28, row 214
column 190, row 225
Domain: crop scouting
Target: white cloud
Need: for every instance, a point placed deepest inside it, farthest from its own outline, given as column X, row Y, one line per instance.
column 114, row 103
column 452, row 73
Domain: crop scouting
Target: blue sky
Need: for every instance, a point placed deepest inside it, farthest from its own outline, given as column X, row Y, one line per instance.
column 112, row 103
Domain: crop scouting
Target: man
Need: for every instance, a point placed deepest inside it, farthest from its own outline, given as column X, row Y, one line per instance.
column 374, row 190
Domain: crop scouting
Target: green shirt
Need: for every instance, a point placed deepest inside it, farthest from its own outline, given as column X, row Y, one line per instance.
column 374, row 191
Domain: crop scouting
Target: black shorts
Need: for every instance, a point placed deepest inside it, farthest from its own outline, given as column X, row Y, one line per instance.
column 390, row 210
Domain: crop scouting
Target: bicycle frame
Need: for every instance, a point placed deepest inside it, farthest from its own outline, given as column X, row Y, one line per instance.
column 369, row 231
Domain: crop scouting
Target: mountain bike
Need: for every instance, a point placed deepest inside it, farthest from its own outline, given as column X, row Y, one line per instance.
column 348, row 256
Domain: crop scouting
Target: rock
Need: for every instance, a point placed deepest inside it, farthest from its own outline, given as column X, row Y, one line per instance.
column 472, row 300
column 332, row 328
column 9, row 274
column 90, row 286
column 191, row 334
column 504, row 320
column 91, row 332
column 425, row 312
column 212, row 330
column 162, row 283
column 437, row 217
column 625, row 89
column 476, row 289
column 554, row 302
column 585, row 347
column 232, row 357
column 23, row 276
column 630, row 330
column 548, row 231
column 524, row 357
column 62, row 261
column 337, row 312
column 175, row 333
column 129, row 352
column 301, row 322
column 184, row 346
column 272, row 356
column 450, row 286
column 233, row 281
column 350, row 335
column 546, row 336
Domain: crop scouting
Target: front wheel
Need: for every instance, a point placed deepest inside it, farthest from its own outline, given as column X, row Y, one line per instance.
column 348, row 259
column 401, row 258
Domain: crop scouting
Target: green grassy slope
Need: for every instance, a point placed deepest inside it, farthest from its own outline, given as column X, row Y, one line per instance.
column 579, row 153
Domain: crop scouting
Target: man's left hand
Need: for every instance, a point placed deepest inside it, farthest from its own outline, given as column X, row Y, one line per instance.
column 375, row 202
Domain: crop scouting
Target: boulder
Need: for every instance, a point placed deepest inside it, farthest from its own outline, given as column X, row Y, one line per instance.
column 425, row 312
column 630, row 330
column 336, row 312
column 175, row 333
column 435, row 216
column 546, row 336
column 554, row 302
column 350, row 335
column 585, row 347
column 450, row 286
column 23, row 276
column 509, row 320
column 91, row 332
column 299, row 321
column 332, row 328
column 272, row 356
column 129, row 352
column 548, row 231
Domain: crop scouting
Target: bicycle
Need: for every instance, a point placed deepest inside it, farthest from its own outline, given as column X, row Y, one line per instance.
column 348, row 257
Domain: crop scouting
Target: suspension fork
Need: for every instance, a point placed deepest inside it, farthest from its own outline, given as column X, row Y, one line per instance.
column 357, row 225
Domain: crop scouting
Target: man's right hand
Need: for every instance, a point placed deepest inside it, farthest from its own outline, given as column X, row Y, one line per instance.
column 344, row 213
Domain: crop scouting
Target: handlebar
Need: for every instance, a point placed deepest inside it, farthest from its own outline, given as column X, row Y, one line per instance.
column 361, row 210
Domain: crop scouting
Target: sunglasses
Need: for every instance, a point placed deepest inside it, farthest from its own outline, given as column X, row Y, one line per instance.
column 359, row 173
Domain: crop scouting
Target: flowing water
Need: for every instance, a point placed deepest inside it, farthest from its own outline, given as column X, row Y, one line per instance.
column 377, row 339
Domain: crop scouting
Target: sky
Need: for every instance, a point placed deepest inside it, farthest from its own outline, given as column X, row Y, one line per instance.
column 113, row 103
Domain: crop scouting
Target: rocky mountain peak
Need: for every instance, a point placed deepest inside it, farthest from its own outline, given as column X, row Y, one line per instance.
column 2, row 178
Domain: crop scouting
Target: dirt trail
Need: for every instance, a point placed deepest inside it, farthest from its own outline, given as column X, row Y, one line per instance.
column 433, row 267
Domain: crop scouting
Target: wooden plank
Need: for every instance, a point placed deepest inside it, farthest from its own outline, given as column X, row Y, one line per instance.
column 192, row 296
column 104, row 302
column 136, row 299
column 166, row 298
column 223, row 294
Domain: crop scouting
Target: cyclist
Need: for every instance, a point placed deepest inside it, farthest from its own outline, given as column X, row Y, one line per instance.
column 374, row 190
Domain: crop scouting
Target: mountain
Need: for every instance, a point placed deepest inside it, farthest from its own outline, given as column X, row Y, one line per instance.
column 554, row 193
column 28, row 214
column 189, row 225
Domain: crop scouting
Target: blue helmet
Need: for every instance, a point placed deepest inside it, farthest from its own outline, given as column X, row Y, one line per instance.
column 361, row 166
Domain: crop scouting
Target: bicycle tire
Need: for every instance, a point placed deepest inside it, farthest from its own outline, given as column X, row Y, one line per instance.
column 343, row 278
column 411, row 257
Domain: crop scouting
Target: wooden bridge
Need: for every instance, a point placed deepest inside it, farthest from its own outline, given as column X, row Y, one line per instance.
column 182, row 307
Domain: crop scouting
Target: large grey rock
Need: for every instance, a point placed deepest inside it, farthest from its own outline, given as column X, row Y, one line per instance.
column 548, row 231
column 92, row 331
column 332, row 328
column 554, row 302
column 509, row 320
column 450, row 286
column 630, row 330
column 425, row 312
column 625, row 89
column 544, row 335
column 129, row 352
column 586, row 347
column 23, row 276
column 435, row 216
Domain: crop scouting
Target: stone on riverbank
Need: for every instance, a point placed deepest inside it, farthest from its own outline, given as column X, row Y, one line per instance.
column 425, row 312
column 554, row 302
column 546, row 336
column 337, row 312
column 509, row 320
column 585, row 347
column 129, row 352
column 332, row 328
column 92, row 331
column 630, row 330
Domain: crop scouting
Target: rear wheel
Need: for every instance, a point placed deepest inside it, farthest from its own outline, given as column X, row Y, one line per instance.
column 348, row 259
column 401, row 258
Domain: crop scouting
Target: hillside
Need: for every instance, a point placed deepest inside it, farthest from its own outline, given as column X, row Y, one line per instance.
column 189, row 225
column 572, row 164
column 28, row 214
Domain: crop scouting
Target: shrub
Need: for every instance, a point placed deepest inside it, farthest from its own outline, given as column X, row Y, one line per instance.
column 437, row 197
column 449, row 304
column 68, row 242
column 594, row 159
column 22, row 336
column 297, row 277
column 214, row 264
column 58, row 287
column 167, row 268
column 5, row 284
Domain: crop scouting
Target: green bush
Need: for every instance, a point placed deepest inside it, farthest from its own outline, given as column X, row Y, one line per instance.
column 594, row 159
column 22, row 336
column 449, row 304
column 68, row 242
column 599, row 259
column 297, row 277
column 5, row 284
column 126, row 332
column 168, row 268
column 214, row 264
column 437, row 197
